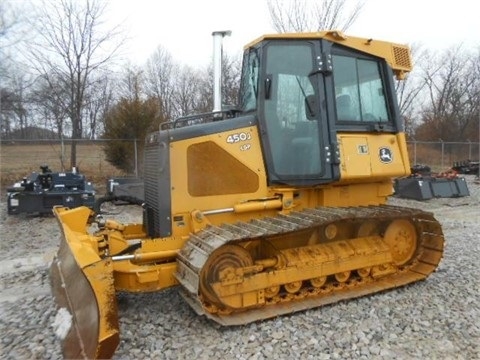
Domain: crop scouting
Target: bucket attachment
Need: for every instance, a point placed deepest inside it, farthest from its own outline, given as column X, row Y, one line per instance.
column 83, row 284
column 428, row 187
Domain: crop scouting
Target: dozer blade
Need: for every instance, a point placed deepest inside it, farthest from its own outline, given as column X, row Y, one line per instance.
column 83, row 284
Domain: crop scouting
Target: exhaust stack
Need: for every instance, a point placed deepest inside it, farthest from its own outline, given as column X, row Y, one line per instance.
column 217, row 68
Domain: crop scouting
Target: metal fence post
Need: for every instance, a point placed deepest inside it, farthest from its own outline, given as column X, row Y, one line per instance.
column 443, row 149
column 414, row 152
column 136, row 157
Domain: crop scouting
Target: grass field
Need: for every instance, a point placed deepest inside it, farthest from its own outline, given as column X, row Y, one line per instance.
column 20, row 159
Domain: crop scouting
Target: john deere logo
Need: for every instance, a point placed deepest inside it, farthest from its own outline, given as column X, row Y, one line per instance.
column 385, row 155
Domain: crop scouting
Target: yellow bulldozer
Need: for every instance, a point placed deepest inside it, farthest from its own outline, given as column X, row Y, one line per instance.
column 274, row 206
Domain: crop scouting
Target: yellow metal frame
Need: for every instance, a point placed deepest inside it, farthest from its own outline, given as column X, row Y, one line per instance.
column 397, row 55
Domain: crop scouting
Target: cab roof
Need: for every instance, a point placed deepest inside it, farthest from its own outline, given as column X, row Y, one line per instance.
column 397, row 55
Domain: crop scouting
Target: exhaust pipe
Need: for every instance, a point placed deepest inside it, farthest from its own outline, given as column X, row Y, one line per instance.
column 217, row 68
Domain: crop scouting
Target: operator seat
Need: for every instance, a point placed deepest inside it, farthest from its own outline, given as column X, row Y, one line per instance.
column 344, row 107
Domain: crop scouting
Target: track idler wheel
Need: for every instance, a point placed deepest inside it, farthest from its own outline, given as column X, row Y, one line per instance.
column 221, row 266
column 401, row 237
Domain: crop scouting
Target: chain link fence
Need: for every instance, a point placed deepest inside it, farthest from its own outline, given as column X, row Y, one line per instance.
column 21, row 157
column 442, row 155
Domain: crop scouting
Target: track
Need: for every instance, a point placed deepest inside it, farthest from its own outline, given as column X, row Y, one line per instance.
column 234, row 282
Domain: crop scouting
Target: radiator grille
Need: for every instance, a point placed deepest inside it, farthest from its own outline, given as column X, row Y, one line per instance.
column 152, row 188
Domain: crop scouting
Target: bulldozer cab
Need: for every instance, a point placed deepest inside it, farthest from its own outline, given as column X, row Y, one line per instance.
column 304, row 91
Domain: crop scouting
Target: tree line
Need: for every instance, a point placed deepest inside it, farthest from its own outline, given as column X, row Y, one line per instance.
column 61, row 70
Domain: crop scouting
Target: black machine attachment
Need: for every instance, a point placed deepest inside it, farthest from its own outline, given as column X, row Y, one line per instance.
column 39, row 192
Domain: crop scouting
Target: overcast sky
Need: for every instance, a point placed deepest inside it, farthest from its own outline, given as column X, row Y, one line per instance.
column 184, row 27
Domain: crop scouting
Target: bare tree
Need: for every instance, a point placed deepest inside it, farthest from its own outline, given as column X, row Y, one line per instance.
column 51, row 99
column 14, row 81
column 71, row 48
column 11, row 20
column 187, row 92
column 231, row 69
column 161, row 72
column 305, row 15
column 15, row 102
column 6, row 21
column 99, row 99
column 182, row 90
column 451, row 111
column 131, row 85
column 409, row 91
column 19, row 102
column 9, row 101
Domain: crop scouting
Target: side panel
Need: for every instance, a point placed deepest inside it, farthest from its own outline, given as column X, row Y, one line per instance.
column 216, row 171
column 372, row 156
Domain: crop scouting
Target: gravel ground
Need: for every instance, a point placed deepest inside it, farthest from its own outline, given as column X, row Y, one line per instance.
column 435, row 319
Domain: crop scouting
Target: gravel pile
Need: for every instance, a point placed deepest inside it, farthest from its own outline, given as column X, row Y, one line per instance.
column 435, row 319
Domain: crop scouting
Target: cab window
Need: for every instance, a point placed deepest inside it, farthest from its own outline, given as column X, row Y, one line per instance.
column 249, row 82
column 359, row 90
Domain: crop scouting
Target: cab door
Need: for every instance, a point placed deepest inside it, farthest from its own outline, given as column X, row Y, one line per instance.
column 293, row 125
